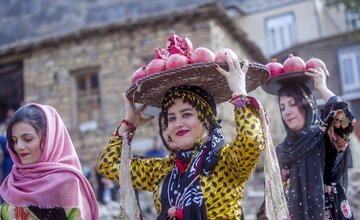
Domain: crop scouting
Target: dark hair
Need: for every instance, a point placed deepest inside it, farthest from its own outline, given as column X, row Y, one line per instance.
column 161, row 128
column 29, row 114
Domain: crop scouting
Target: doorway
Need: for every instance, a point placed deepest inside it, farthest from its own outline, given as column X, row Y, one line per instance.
column 11, row 87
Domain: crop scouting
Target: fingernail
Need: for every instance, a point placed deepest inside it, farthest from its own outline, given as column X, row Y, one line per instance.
column 216, row 66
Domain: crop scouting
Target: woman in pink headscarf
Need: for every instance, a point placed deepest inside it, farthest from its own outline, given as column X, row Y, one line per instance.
column 46, row 181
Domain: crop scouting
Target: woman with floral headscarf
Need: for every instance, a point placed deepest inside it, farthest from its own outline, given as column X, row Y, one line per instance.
column 203, row 178
column 46, row 181
column 314, row 156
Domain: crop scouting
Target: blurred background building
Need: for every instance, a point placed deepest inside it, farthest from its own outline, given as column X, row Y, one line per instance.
column 78, row 56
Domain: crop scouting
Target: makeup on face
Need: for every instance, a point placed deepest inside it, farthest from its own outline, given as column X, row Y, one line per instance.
column 26, row 143
column 184, row 126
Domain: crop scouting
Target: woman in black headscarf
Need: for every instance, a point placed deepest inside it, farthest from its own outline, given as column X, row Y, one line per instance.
column 314, row 156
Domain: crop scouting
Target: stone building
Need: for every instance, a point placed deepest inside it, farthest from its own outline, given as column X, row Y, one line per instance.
column 79, row 57
column 83, row 73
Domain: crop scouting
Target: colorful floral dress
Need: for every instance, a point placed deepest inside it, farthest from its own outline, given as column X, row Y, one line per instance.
column 9, row 212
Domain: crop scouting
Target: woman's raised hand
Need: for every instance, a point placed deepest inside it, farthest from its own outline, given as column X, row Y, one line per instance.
column 319, row 77
column 236, row 75
column 132, row 115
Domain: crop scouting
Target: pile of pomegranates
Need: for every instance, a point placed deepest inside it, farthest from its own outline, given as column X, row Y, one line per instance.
column 295, row 64
column 177, row 53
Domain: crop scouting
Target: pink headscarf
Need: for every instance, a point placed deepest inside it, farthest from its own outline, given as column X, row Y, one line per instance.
column 56, row 180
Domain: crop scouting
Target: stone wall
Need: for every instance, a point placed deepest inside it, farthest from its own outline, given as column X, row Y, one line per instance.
column 49, row 78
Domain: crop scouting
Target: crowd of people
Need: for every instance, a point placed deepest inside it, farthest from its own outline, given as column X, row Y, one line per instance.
column 200, row 175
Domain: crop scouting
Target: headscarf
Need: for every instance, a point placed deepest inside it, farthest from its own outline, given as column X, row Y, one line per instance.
column 56, row 180
column 186, row 195
column 302, row 152
column 340, row 159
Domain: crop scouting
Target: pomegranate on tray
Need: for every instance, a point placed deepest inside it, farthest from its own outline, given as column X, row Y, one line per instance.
column 275, row 68
column 294, row 64
column 220, row 54
column 178, row 52
column 316, row 63
column 201, row 55
column 138, row 74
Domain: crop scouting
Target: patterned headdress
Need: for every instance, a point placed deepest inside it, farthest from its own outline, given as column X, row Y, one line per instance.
column 198, row 98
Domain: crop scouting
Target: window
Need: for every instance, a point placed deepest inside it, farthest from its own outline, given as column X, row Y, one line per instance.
column 280, row 32
column 353, row 19
column 355, row 108
column 88, row 101
column 349, row 61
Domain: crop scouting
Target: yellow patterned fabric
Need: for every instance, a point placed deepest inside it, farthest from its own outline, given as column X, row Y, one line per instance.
column 223, row 189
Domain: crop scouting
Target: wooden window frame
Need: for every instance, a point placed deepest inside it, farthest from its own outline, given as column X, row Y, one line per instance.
column 91, row 97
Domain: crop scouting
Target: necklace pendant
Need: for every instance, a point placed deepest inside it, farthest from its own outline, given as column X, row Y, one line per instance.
column 172, row 212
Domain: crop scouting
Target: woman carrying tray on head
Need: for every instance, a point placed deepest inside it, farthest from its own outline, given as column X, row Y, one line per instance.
column 204, row 178
column 314, row 156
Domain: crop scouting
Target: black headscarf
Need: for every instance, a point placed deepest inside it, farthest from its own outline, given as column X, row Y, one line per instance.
column 302, row 152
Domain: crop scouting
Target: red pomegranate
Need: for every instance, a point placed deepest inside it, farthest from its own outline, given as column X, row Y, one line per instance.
column 220, row 54
column 161, row 53
column 315, row 63
column 275, row 67
column 138, row 74
column 176, row 61
column 178, row 45
column 201, row 55
column 294, row 64
column 155, row 66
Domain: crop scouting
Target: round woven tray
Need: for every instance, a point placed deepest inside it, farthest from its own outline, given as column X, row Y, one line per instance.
column 273, row 85
column 150, row 90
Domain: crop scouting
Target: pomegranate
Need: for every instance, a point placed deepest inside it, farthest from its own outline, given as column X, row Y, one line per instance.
column 138, row 74
column 315, row 63
column 201, row 55
column 161, row 53
column 188, row 45
column 178, row 45
column 220, row 54
column 155, row 66
column 176, row 61
column 294, row 64
column 275, row 67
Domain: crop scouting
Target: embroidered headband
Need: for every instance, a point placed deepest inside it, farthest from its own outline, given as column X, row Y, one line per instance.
column 198, row 98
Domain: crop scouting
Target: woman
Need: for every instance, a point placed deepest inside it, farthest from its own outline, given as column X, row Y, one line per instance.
column 314, row 155
column 7, row 163
column 203, row 178
column 46, row 181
